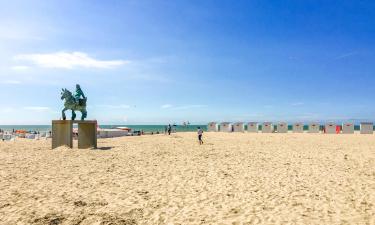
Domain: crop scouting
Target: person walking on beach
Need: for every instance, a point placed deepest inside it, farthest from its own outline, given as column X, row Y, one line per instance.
column 200, row 133
column 169, row 129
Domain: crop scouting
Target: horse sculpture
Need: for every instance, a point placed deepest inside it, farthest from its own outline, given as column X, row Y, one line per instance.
column 70, row 103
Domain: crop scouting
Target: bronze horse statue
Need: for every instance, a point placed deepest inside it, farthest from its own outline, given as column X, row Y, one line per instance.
column 72, row 104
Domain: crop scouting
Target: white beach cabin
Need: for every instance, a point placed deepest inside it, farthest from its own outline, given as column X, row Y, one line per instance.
column 226, row 127
column 298, row 128
column 239, row 127
column 213, row 127
column 314, row 128
column 330, row 128
column 367, row 128
column 252, row 127
column 282, row 127
column 348, row 128
column 111, row 133
column 267, row 127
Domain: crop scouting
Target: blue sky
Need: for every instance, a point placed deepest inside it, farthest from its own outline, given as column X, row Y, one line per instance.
column 155, row 62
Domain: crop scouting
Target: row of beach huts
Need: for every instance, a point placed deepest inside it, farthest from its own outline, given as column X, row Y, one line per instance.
column 282, row 127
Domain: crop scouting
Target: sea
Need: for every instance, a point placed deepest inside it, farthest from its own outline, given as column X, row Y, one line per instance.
column 145, row 128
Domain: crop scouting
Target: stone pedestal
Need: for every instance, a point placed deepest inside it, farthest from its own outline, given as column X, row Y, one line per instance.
column 87, row 134
column 62, row 133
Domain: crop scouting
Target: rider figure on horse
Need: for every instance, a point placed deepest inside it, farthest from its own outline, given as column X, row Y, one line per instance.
column 78, row 94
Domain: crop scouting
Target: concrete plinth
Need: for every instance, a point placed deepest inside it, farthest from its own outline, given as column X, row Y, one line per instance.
column 62, row 133
column 87, row 134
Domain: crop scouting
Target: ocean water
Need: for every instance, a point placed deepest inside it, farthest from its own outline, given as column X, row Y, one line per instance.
column 145, row 128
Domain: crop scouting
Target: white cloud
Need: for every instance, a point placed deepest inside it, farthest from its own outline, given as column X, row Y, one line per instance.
column 37, row 108
column 20, row 68
column 122, row 106
column 189, row 107
column 10, row 82
column 182, row 107
column 346, row 55
column 166, row 106
column 69, row 60
column 6, row 109
column 297, row 104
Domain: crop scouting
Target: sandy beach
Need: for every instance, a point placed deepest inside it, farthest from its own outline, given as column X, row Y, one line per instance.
column 234, row 178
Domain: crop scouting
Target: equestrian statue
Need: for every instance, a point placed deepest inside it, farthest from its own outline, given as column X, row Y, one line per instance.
column 74, row 103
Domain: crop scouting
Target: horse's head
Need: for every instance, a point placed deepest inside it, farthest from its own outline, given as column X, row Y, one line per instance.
column 65, row 93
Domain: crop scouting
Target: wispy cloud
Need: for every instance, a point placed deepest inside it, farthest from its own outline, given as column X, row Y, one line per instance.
column 69, row 60
column 297, row 104
column 121, row 106
column 20, row 68
column 37, row 108
column 189, row 107
column 10, row 82
column 6, row 109
column 182, row 107
column 346, row 55
column 166, row 106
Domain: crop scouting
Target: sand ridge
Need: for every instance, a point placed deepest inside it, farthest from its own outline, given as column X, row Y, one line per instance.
column 234, row 178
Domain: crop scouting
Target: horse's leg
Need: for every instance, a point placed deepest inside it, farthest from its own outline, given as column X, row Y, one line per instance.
column 63, row 113
column 84, row 114
column 73, row 115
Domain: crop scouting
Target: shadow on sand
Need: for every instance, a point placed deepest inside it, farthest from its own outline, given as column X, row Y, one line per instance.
column 104, row 148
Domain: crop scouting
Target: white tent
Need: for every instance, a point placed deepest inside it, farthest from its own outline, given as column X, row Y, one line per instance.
column 213, row 126
column 226, row 127
column 282, row 127
column 367, row 128
column 314, row 128
column 330, row 128
column 238, row 127
column 348, row 128
column 267, row 127
column 252, row 127
column 298, row 128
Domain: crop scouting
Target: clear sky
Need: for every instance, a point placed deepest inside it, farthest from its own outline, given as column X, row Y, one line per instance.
column 155, row 62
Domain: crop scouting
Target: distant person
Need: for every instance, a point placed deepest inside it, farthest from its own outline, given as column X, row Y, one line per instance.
column 169, row 129
column 200, row 134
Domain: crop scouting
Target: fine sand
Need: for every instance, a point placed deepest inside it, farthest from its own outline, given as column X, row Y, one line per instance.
column 234, row 178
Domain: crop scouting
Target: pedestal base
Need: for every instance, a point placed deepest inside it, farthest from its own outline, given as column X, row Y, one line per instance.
column 87, row 134
column 62, row 133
